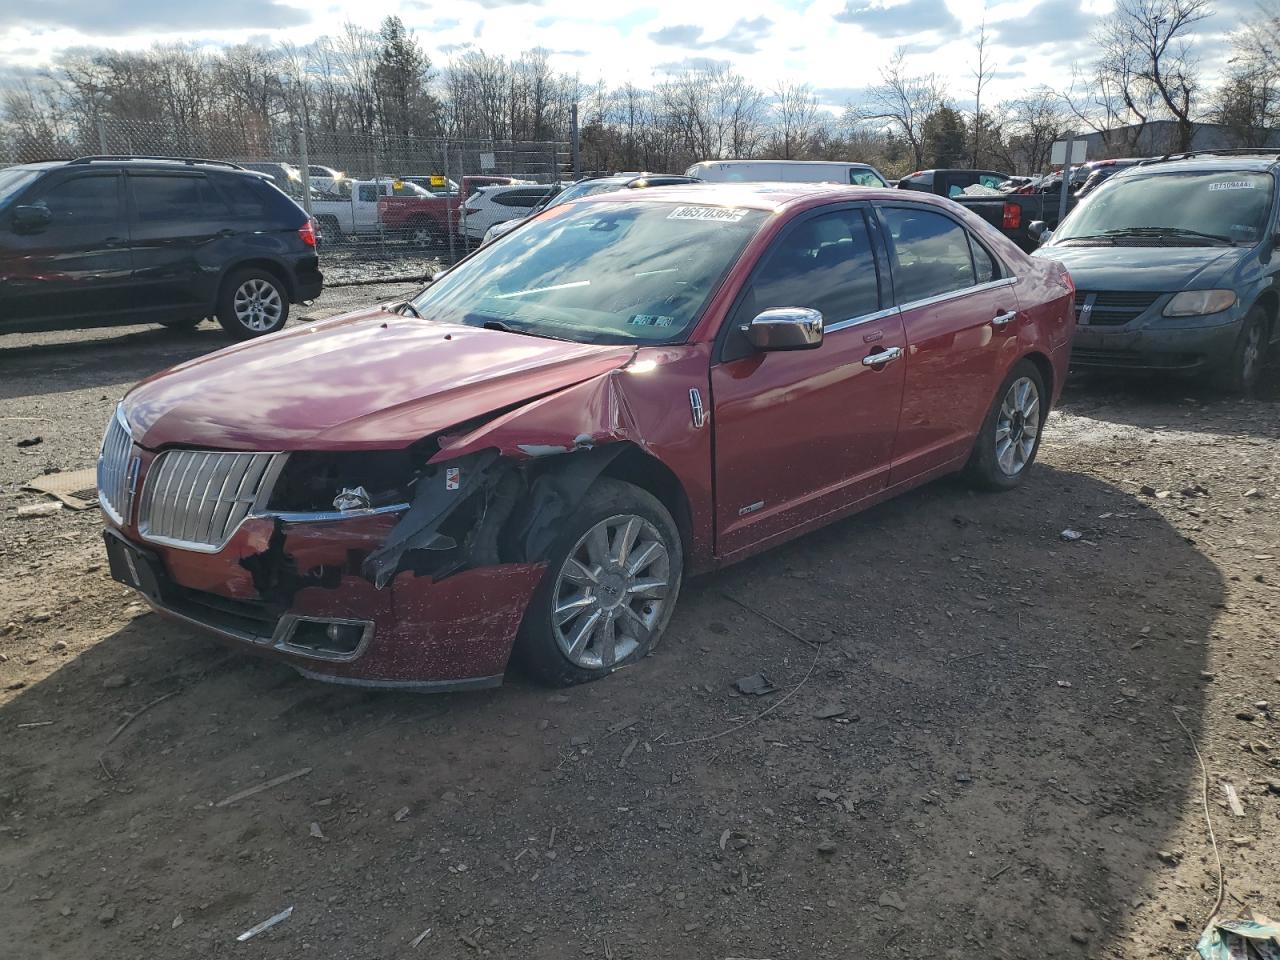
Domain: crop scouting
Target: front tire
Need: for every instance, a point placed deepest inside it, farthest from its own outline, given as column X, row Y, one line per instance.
column 613, row 576
column 1009, row 439
column 1244, row 370
column 252, row 303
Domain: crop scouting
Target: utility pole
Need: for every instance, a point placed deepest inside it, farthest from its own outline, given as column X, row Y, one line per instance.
column 575, row 145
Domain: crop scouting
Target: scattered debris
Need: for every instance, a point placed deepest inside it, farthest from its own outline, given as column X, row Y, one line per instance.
column 400, row 814
column 107, row 915
column 892, row 901
column 38, row 510
column 245, row 794
column 177, row 922
column 829, row 711
column 756, row 685
column 622, row 761
column 1071, row 535
column 420, row 937
column 1233, row 800
column 1065, row 684
column 76, row 489
column 30, row 442
column 827, row 847
column 317, row 832
column 36, row 723
column 1258, row 938
column 265, row 925
column 139, row 712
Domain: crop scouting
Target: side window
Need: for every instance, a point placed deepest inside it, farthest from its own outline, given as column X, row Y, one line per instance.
column 81, row 201
column 984, row 265
column 932, row 253
column 245, row 197
column 826, row 262
column 864, row 178
column 368, row 193
column 990, row 180
column 162, row 198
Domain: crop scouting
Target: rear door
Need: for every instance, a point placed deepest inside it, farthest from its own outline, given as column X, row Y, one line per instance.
column 180, row 231
column 961, row 319
column 802, row 435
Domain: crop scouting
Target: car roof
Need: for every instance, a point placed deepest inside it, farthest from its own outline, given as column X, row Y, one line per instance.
column 759, row 196
column 1259, row 162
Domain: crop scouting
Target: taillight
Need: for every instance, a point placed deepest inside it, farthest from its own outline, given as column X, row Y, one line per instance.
column 307, row 233
column 1012, row 218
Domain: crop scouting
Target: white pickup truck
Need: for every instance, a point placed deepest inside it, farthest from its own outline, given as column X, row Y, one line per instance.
column 394, row 209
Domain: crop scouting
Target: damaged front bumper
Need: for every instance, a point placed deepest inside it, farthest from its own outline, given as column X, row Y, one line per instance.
column 416, row 632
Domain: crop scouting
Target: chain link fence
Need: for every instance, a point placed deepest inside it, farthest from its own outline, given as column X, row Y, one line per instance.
column 385, row 205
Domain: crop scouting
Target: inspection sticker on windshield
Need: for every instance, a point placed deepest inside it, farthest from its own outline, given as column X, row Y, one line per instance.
column 651, row 320
column 452, row 478
column 721, row 214
column 1233, row 185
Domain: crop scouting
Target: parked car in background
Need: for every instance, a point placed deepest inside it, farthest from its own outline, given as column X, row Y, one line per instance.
column 787, row 171
column 390, row 209
column 496, row 204
column 541, row 445
column 1099, row 171
column 1175, row 262
column 285, row 176
column 587, row 188
column 108, row 240
column 951, row 183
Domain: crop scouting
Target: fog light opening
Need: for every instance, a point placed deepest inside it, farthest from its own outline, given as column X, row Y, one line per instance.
column 328, row 638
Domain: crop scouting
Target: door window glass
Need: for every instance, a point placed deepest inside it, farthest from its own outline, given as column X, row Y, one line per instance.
column 984, row 264
column 825, row 263
column 160, row 199
column 368, row 193
column 932, row 253
column 865, row 178
column 82, row 201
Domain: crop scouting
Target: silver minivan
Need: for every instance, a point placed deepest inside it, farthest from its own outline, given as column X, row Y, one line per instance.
column 787, row 171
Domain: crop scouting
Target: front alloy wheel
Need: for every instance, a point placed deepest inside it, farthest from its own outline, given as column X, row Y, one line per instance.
column 611, row 591
column 613, row 576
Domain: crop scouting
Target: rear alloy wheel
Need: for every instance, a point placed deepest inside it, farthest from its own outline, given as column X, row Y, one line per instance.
column 425, row 235
column 253, row 303
column 1244, row 369
column 1010, row 436
column 612, row 581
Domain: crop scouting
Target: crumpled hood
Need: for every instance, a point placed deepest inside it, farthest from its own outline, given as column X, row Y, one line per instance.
column 367, row 380
column 1146, row 269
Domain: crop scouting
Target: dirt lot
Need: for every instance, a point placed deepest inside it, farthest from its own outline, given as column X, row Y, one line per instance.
column 979, row 758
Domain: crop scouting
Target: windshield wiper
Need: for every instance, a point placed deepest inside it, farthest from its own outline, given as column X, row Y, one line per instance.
column 1091, row 236
column 408, row 306
column 507, row 328
column 1168, row 232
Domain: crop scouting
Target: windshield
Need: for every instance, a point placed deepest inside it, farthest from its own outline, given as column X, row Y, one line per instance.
column 1199, row 209
column 601, row 272
column 12, row 181
column 866, row 178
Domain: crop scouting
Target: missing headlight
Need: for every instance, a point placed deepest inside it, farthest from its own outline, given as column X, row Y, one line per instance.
column 319, row 482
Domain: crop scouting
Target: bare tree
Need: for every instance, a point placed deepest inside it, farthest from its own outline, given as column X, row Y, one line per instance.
column 795, row 110
column 901, row 101
column 980, row 77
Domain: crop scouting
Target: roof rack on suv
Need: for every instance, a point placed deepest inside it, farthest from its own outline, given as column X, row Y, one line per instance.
column 189, row 161
column 1216, row 151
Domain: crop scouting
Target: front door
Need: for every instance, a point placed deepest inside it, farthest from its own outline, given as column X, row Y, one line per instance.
column 961, row 317
column 802, row 435
column 77, row 265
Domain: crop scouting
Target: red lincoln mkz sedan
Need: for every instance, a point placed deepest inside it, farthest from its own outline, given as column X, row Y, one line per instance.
column 532, row 453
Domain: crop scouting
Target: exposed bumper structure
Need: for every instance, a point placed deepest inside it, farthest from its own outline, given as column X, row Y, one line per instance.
column 416, row 633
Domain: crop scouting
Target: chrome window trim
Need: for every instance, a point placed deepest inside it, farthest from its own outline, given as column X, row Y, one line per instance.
column 859, row 321
column 956, row 294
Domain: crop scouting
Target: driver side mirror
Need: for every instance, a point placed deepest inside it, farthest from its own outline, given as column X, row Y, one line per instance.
column 31, row 219
column 1039, row 231
column 785, row 328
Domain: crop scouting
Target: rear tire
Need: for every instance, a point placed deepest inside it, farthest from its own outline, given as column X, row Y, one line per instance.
column 1009, row 439
column 425, row 234
column 1244, row 370
column 252, row 303
column 613, row 576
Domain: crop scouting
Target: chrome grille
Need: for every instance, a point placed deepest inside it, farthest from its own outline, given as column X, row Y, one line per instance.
column 197, row 498
column 116, row 476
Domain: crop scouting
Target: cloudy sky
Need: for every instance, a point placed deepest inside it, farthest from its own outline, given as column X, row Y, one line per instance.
column 836, row 46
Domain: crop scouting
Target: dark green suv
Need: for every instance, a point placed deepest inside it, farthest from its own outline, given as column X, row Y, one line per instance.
column 1175, row 263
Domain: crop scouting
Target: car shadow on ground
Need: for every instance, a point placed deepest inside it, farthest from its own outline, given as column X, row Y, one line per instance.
column 971, row 751
column 109, row 356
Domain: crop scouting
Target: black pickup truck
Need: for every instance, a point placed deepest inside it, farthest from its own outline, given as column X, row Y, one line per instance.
column 1010, row 213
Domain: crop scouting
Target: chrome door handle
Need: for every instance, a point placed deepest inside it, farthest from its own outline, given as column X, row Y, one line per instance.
column 884, row 356
column 1000, row 319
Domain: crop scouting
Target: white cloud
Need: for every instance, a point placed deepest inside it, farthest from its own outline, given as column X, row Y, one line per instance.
column 835, row 45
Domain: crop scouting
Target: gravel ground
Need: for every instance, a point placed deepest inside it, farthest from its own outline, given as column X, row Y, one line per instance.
column 973, row 747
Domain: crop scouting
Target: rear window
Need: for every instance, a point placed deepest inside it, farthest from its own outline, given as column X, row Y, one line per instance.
column 865, row 178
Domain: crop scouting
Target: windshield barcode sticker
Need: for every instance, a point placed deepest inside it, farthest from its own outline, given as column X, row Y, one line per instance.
column 651, row 320
column 720, row 214
column 1233, row 185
